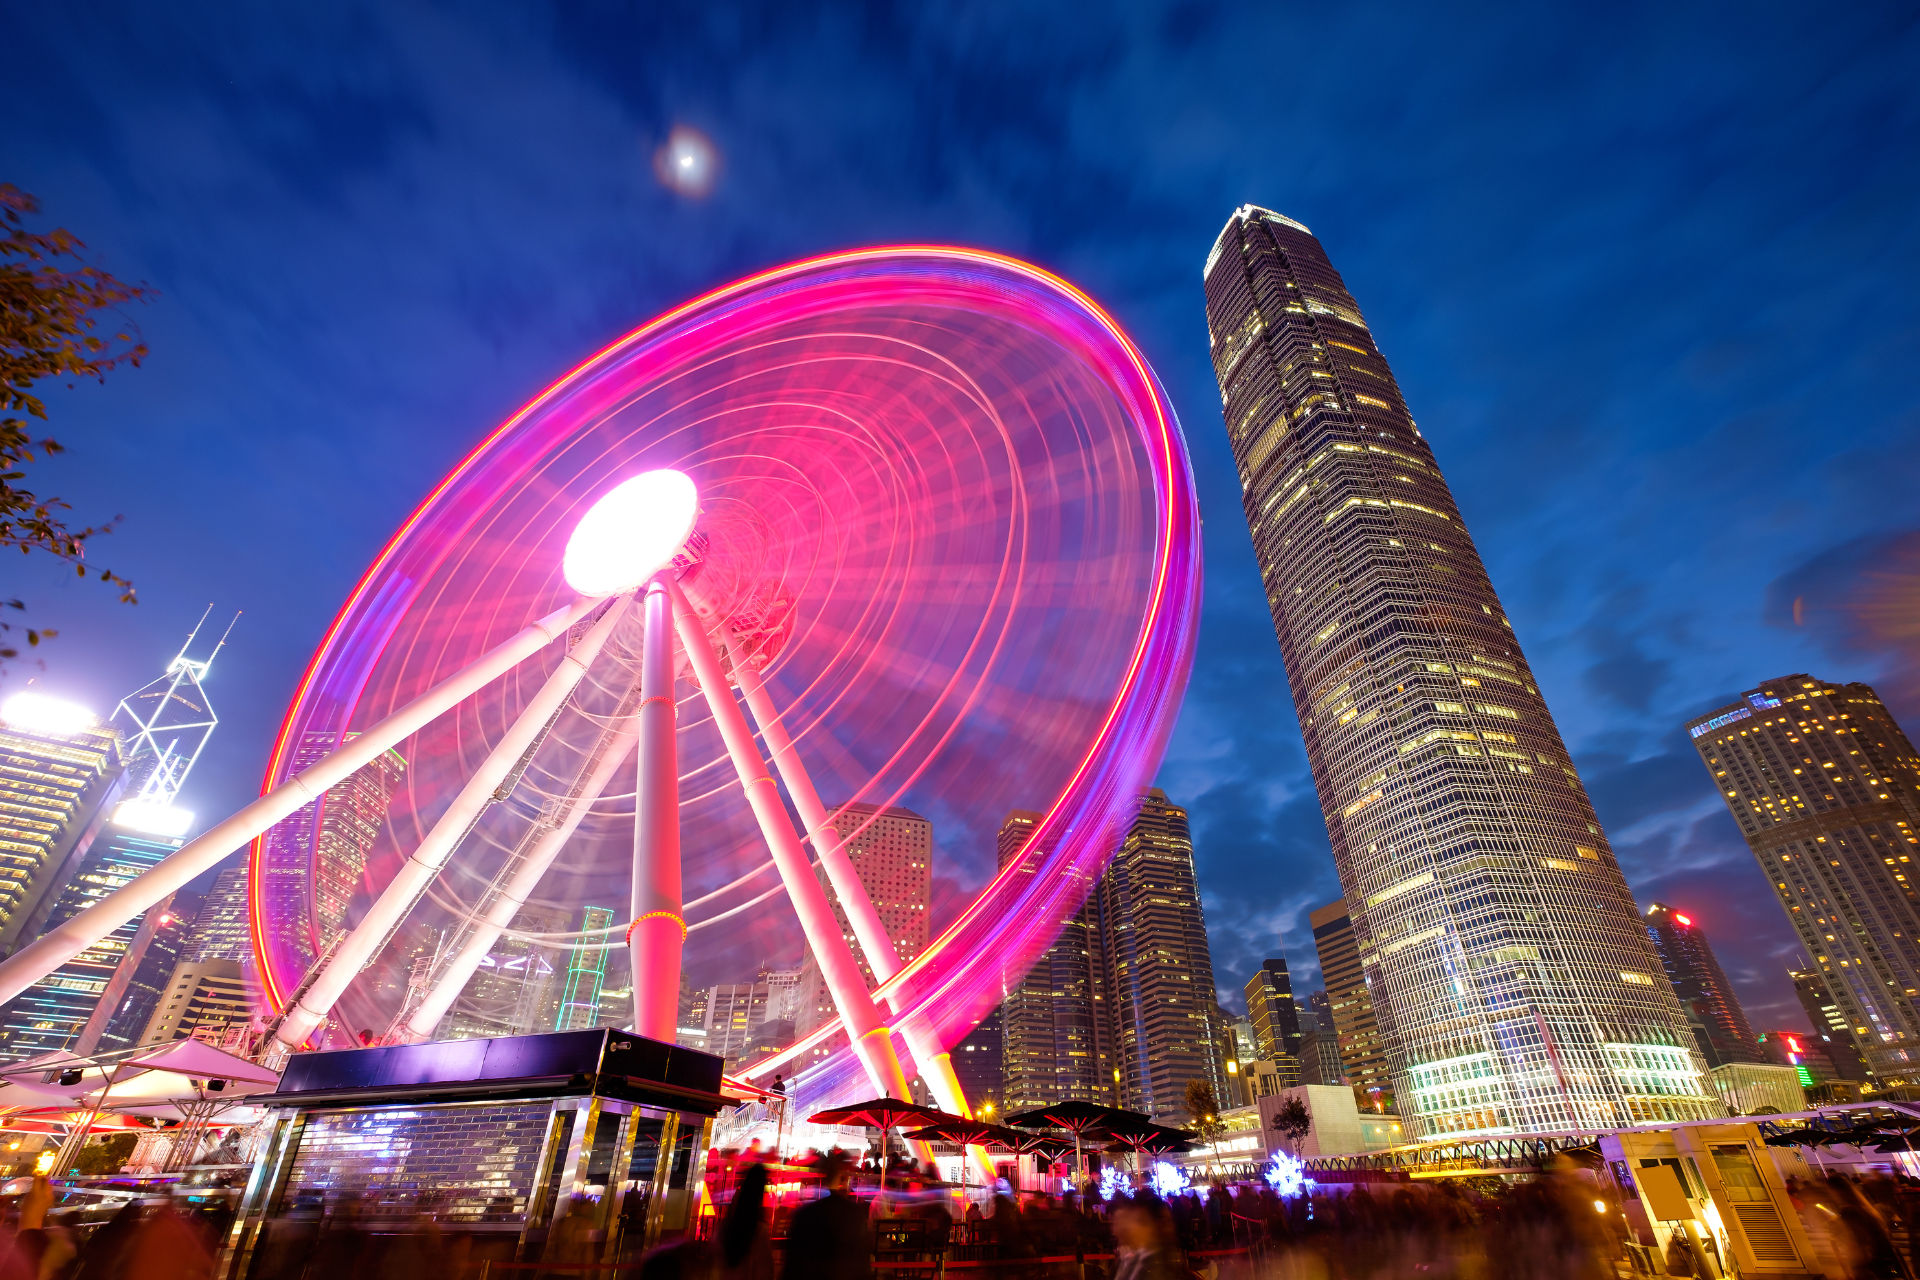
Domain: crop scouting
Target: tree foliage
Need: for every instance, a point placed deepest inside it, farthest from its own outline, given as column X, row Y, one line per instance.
column 106, row 1155
column 1203, row 1110
column 50, row 305
column 1292, row 1120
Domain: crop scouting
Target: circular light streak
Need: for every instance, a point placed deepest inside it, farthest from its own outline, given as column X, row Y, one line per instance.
column 945, row 508
column 629, row 535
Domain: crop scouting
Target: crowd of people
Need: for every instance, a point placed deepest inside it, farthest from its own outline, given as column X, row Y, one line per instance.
column 146, row 1239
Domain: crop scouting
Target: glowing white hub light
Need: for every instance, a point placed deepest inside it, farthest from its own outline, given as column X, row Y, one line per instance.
column 37, row 713
column 153, row 819
column 631, row 534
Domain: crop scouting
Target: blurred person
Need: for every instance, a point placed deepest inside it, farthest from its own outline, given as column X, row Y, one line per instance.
column 1144, row 1241
column 746, row 1249
column 166, row 1247
column 829, row 1238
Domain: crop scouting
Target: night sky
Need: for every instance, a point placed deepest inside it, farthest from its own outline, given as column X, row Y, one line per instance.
column 1649, row 276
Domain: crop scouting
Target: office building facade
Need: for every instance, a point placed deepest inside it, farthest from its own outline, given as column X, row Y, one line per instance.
column 1826, row 789
column 1159, row 968
column 1271, row 1008
column 1514, row 987
column 1056, row 1041
column 333, row 836
column 220, row 930
column 515, row 989
column 1349, row 1006
column 135, row 991
column 1724, row 1034
column 55, row 1011
column 1832, row 1034
column 203, row 999
column 57, row 786
column 977, row 1065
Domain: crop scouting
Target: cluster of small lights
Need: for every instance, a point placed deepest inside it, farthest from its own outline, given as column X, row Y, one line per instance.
column 1113, row 1183
column 1288, row 1176
column 1167, row 1180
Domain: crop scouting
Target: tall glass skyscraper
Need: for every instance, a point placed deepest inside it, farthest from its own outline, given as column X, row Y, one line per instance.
column 1515, row 986
column 1826, row 789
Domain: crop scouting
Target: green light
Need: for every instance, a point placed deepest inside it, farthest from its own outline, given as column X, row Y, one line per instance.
column 1806, row 1077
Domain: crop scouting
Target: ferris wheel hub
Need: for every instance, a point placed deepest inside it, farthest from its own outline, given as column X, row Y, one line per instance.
column 631, row 533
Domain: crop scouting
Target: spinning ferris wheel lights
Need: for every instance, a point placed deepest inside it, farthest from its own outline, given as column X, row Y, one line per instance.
column 631, row 533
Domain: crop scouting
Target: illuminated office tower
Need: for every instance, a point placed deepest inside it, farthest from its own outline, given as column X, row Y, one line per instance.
column 163, row 727
column 1702, row 986
column 1826, row 789
column 54, row 1012
column 1349, row 1006
column 220, row 930
column 1832, row 1036
column 134, row 991
column 980, row 1067
column 1513, row 983
column 1275, row 1017
column 349, row 819
column 1054, row 1039
column 60, row 772
column 1159, row 968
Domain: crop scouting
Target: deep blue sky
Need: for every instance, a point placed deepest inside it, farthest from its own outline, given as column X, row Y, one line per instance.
column 1649, row 276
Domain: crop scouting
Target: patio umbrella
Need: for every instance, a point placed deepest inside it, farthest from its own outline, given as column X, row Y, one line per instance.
column 882, row 1114
column 1080, row 1118
column 967, row 1133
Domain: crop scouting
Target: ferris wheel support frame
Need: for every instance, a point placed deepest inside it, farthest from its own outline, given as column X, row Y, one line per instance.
column 934, row 1063
column 424, row 864
column 426, row 1016
column 58, row 945
column 659, row 926
column 871, row 1037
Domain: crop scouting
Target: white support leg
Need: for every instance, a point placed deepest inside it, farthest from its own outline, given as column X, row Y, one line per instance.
column 62, row 943
column 872, row 1039
column 659, row 928
column 934, row 1064
column 519, row 887
column 420, row 869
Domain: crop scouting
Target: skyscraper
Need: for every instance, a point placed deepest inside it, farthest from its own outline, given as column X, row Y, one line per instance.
column 1832, row 1034
column 1055, row 1039
column 52, row 1013
column 977, row 1066
column 1159, row 967
column 60, row 771
column 892, row 853
column 1826, row 789
column 1355, row 1031
column 580, row 1005
column 335, row 833
column 1514, row 986
column 134, row 992
column 1702, row 985
column 220, row 930
column 1276, row 1019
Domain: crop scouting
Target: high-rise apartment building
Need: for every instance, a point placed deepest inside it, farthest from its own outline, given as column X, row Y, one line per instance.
column 1702, row 986
column 1514, row 986
column 1054, row 1033
column 1159, row 967
column 60, row 772
column 892, row 853
column 1826, row 789
column 1275, row 1017
column 333, row 837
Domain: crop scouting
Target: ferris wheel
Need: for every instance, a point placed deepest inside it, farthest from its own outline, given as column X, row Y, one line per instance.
column 905, row 526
